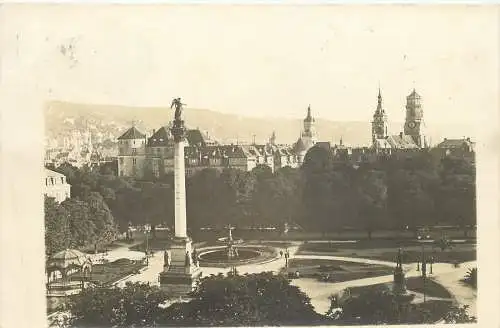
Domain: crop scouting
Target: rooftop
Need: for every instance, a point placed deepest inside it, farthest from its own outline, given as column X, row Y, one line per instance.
column 132, row 133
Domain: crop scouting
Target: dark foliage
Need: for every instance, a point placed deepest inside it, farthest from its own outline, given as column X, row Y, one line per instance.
column 249, row 300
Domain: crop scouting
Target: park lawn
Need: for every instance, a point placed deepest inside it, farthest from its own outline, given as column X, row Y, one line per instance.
column 432, row 288
column 102, row 248
column 459, row 253
column 413, row 284
column 335, row 271
column 109, row 273
column 333, row 246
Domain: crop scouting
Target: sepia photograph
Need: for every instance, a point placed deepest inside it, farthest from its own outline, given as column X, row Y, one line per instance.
column 253, row 165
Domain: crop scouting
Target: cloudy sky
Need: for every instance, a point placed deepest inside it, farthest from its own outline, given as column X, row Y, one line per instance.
column 259, row 61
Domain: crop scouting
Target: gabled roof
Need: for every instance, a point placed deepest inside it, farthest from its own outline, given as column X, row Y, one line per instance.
column 401, row 142
column 382, row 144
column 413, row 95
column 163, row 138
column 132, row 133
column 195, row 137
column 454, row 143
column 160, row 138
column 299, row 146
column 54, row 174
column 67, row 257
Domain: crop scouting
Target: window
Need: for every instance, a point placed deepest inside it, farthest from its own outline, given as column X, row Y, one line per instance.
column 134, row 161
column 134, row 151
column 62, row 180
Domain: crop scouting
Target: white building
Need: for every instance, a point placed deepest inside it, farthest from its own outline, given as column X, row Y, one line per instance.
column 56, row 186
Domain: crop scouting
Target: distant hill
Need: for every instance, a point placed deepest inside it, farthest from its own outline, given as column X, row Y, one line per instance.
column 61, row 117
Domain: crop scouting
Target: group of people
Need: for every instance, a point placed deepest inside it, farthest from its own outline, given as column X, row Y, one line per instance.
column 286, row 253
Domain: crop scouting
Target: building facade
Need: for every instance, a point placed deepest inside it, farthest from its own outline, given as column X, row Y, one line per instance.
column 56, row 186
column 132, row 153
column 153, row 157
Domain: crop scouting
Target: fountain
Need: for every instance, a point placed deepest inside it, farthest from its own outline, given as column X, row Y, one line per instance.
column 232, row 251
column 230, row 255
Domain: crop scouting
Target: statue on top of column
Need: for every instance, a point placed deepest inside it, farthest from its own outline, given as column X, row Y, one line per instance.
column 178, row 108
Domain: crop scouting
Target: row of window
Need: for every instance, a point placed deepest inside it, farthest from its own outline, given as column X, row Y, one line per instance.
column 53, row 181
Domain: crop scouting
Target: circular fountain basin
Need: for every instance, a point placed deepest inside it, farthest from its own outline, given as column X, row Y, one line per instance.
column 218, row 256
column 225, row 240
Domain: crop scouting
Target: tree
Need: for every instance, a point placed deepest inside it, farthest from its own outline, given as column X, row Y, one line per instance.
column 376, row 306
column 203, row 191
column 317, row 168
column 135, row 305
column 409, row 203
column 81, row 226
column 372, row 197
column 249, row 300
column 57, row 234
column 106, row 229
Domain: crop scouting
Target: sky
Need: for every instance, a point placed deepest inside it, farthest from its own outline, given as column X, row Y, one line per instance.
column 259, row 60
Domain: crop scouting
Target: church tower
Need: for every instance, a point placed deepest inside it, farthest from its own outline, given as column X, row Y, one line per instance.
column 308, row 135
column 414, row 122
column 379, row 123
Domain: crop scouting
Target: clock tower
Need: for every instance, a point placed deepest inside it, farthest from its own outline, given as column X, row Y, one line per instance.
column 414, row 122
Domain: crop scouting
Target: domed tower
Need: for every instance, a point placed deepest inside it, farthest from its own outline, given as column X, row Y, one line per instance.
column 414, row 122
column 308, row 135
column 379, row 123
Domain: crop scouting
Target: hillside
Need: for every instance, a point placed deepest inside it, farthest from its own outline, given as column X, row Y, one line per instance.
column 61, row 117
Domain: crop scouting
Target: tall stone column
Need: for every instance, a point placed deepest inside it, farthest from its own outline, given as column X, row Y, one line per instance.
column 180, row 274
column 180, row 186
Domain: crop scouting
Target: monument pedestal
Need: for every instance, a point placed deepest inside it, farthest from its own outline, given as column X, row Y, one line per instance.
column 399, row 286
column 181, row 276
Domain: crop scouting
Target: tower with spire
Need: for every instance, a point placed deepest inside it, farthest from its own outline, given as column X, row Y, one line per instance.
column 272, row 139
column 379, row 123
column 308, row 135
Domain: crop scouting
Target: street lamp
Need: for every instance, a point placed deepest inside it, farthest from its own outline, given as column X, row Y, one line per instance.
column 424, row 270
column 147, row 229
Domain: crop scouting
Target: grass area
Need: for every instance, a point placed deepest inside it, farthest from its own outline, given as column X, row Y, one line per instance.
column 432, row 288
column 335, row 271
column 346, row 234
column 413, row 284
column 101, row 248
column 107, row 274
column 382, row 250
